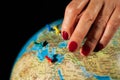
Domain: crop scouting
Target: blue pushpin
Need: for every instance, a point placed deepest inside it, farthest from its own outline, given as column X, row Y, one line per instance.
column 48, row 26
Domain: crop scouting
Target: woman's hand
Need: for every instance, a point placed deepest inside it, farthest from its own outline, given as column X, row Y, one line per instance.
column 95, row 20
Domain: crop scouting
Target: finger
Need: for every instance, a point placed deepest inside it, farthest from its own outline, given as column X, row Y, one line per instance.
column 84, row 24
column 110, row 30
column 71, row 14
column 97, row 28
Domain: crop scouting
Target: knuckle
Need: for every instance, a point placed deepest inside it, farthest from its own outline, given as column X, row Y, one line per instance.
column 114, row 28
column 101, row 21
column 79, row 35
column 92, row 40
column 89, row 17
column 71, row 10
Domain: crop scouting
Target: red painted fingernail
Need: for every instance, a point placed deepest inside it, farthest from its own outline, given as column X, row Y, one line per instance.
column 65, row 35
column 98, row 47
column 85, row 50
column 72, row 46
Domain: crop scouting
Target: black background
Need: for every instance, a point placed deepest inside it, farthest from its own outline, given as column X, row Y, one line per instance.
column 21, row 20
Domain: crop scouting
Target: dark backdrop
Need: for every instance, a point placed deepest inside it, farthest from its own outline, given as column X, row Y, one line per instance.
column 19, row 21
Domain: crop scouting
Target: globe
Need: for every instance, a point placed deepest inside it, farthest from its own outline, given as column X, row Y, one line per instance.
column 45, row 57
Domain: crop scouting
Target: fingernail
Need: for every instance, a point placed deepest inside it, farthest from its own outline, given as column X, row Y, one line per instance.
column 72, row 46
column 98, row 47
column 65, row 35
column 85, row 50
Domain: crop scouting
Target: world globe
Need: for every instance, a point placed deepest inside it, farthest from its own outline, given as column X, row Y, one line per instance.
column 45, row 57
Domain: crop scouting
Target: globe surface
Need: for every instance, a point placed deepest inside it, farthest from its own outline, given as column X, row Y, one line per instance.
column 45, row 57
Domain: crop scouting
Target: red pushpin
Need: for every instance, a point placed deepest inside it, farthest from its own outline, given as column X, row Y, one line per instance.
column 49, row 60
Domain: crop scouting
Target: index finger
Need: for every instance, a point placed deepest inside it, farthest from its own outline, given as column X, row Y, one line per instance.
column 71, row 14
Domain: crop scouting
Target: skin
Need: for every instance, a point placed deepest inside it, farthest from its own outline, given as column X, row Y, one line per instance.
column 95, row 20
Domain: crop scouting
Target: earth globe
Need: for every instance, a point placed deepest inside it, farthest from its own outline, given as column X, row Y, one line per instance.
column 45, row 57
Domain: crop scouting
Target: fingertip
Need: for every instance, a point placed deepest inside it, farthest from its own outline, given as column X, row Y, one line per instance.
column 72, row 46
column 85, row 50
column 65, row 35
column 98, row 47
column 81, row 52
